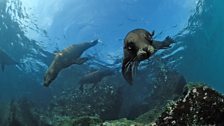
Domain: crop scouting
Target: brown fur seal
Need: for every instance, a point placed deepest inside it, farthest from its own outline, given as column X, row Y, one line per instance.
column 66, row 58
column 138, row 46
column 95, row 77
column 6, row 60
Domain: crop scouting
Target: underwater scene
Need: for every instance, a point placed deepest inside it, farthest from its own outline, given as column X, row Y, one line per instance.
column 111, row 63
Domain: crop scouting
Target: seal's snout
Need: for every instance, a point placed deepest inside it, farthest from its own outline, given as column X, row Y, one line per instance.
column 45, row 84
column 151, row 49
column 47, row 79
column 142, row 54
column 145, row 53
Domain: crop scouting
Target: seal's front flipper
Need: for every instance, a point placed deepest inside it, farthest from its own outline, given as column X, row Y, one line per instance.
column 3, row 67
column 80, row 61
column 127, row 70
column 163, row 44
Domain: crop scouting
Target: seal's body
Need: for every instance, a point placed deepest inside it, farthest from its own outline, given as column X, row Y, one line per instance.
column 94, row 77
column 6, row 60
column 138, row 46
column 66, row 58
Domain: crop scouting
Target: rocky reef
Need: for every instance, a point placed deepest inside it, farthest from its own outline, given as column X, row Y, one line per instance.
column 198, row 105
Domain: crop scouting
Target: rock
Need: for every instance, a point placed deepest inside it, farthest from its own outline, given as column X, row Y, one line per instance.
column 200, row 105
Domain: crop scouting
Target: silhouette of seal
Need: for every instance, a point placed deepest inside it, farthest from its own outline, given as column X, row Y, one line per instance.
column 138, row 46
column 6, row 60
column 66, row 58
column 95, row 77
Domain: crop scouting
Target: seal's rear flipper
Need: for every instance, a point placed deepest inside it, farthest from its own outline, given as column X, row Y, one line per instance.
column 163, row 44
column 93, row 43
column 3, row 67
column 168, row 41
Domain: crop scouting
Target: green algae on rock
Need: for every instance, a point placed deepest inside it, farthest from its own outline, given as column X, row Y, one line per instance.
column 80, row 121
column 122, row 122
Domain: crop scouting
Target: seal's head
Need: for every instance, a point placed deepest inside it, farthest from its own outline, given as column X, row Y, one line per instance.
column 137, row 47
column 138, row 44
column 49, row 76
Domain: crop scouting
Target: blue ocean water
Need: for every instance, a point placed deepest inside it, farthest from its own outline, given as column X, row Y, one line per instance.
column 203, row 56
column 32, row 31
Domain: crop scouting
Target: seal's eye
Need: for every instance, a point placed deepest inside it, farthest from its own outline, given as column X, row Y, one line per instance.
column 131, row 46
column 149, row 38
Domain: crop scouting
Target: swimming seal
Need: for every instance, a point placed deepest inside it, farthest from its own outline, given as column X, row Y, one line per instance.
column 138, row 46
column 95, row 77
column 66, row 58
column 6, row 60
